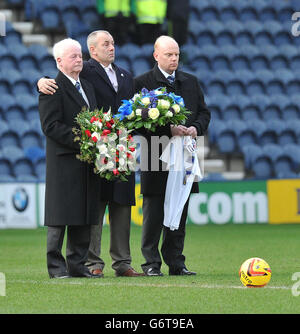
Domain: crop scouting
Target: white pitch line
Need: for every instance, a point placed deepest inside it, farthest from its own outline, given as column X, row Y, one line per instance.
column 69, row 281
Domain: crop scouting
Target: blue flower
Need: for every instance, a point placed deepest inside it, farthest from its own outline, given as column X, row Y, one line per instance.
column 178, row 99
column 125, row 109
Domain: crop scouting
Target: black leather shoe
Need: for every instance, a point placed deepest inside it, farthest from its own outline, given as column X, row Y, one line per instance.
column 153, row 272
column 182, row 271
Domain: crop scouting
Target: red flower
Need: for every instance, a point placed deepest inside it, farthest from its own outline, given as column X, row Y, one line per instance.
column 108, row 125
column 93, row 119
column 132, row 149
column 112, row 121
column 116, row 172
column 105, row 132
column 88, row 133
column 94, row 139
column 129, row 156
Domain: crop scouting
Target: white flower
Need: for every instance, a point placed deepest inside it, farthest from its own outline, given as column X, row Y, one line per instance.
column 165, row 104
column 121, row 147
column 138, row 112
column 176, row 108
column 102, row 149
column 135, row 96
column 158, row 92
column 110, row 165
column 112, row 137
column 107, row 116
column 145, row 101
column 98, row 124
column 121, row 162
column 153, row 113
column 131, row 115
column 96, row 134
column 169, row 113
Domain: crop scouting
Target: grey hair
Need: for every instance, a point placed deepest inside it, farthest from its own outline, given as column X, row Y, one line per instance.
column 92, row 38
column 60, row 47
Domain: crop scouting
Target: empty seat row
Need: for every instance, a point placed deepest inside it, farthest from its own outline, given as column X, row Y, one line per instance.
column 231, row 136
column 272, row 160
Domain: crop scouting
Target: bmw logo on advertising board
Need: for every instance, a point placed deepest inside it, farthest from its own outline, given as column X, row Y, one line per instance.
column 20, row 199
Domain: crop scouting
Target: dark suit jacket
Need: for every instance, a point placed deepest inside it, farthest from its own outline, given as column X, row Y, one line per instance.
column 187, row 86
column 73, row 190
column 117, row 191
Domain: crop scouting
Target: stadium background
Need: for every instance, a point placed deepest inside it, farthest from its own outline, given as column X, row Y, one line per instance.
column 247, row 61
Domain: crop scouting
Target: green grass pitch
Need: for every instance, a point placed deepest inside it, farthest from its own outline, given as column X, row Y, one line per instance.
column 214, row 252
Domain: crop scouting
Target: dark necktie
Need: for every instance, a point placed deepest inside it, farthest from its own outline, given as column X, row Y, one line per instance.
column 171, row 79
column 77, row 85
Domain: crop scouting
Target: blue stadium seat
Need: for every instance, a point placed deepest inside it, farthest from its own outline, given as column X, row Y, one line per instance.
column 8, row 61
column 250, row 152
column 50, row 18
column 4, row 86
column 209, row 13
column 274, row 87
column 40, row 169
column 46, row 63
column 262, row 167
column 267, row 13
column 220, row 62
column 38, row 50
column 3, row 128
column 12, row 37
column 248, row 13
column 291, row 112
column 279, row 61
column 6, row 101
column 28, row 61
column 232, row 112
column 20, row 126
column 34, row 153
column 240, row 62
column 216, row 127
column 250, row 112
column 23, row 167
column 12, row 153
column 271, row 111
column 9, row 138
column 255, row 87
column 6, row 173
column 293, row 151
column 235, row 87
column 194, row 29
column 91, row 16
column 30, row 139
column 283, row 165
column 293, row 86
column 21, row 86
column 224, row 37
column 295, row 62
column 69, row 13
column 14, row 113
column 226, row 140
column 228, row 13
column 246, row 136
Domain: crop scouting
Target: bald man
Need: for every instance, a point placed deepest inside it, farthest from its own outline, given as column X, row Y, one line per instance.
column 153, row 183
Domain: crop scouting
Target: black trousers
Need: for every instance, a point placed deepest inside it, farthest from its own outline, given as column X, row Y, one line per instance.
column 78, row 239
column 172, row 241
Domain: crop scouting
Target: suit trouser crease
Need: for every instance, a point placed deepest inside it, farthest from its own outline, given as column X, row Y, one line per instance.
column 78, row 238
column 172, row 241
column 119, row 224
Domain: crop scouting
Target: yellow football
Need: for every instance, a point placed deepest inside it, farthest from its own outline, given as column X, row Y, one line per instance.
column 255, row 273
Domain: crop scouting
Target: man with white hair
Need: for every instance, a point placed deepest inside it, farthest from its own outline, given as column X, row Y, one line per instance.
column 112, row 84
column 73, row 190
